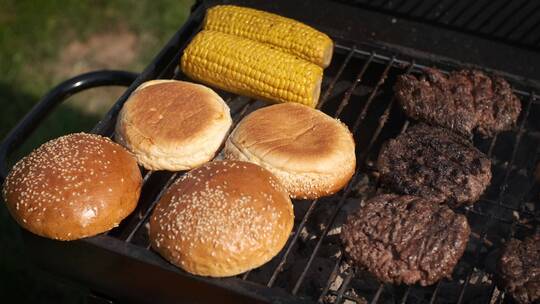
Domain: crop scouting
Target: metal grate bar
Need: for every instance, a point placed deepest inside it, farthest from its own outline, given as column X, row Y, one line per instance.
column 335, row 79
column 328, row 224
column 519, row 134
column 465, row 284
column 343, row 287
column 306, row 216
column 382, row 122
column 503, row 188
column 377, row 294
column 362, row 115
column 149, row 210
column 331, row 278
column 383, row 118
column 246, row 275
column 347, row 190
column 146, row 176
column 406, row 295
column 349, row 92
column 345, row 100
column 491, row 293
column 241, row 113
column 435, row 293
column 383, row 58
column 283, row 260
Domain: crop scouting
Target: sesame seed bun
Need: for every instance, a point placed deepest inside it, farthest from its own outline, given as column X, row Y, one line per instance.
column 173, row 125
column 310, row 153
column 222, row 219
column 72, row 187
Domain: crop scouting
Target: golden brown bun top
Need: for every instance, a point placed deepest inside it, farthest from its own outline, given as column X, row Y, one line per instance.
column 294, row 137
column 170, row 110
column 222, row 218
column 73, row 186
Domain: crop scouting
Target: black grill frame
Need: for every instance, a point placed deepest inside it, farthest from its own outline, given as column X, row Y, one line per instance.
column 122, row 246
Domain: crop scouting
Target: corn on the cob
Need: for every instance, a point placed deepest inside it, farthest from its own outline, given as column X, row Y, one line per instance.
column 251, row 68
column 290, row 35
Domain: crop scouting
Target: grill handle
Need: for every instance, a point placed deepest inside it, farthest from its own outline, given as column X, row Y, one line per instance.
column 53, row 98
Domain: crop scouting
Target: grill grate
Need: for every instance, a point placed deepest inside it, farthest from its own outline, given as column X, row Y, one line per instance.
column 311, row 266
column 509, row 21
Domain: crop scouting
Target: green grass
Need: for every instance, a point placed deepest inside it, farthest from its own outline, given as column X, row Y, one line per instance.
column 33, row 35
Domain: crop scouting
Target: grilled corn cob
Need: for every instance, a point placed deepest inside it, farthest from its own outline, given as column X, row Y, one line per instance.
column 251, row 68
column 287, row 34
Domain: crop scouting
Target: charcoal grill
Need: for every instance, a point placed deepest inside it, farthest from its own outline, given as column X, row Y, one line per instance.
column 370, row 51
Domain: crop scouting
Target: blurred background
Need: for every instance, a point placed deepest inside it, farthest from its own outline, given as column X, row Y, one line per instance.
column 43, row 42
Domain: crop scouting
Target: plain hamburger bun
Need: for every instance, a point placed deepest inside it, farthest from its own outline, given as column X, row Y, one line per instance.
column 173, row 125
column 72, row 187
column 310, row 153
column 222, row 219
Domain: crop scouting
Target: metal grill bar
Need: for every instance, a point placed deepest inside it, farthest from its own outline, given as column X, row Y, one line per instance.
column 279, row 267
column 331, row 278
column 382, row 122
column 146, row 214
column 353, row 180
column 462, row 291
column 383, row 58
column 362, row 115
column 503, row 190
column 349, row 92
column 313, row 203
column 344, row 286
column 246, row 275
column 491, row 293
column 406, row 295
column 328, row 224
column 335, row 79
column 377, row 294
column 435, row 293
